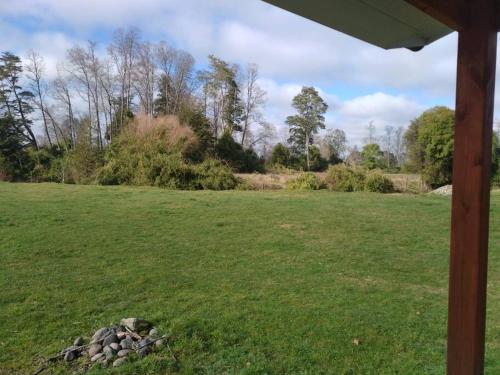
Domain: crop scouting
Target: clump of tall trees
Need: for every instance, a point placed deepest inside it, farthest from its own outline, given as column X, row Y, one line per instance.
column 429, row 145
column 65, row 128
column 425, row 147
column 17, row 137
column 305, row 148
column 309, row 148
column 85, row 124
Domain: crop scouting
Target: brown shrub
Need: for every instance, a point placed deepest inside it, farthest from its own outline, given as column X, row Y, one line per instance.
column 165, row 132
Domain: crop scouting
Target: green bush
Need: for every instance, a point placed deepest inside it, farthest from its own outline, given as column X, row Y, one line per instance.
column 15, row 161
column 244, row 185
column 316, row 162
column 372, row 156
column 342, row 178
column 120, row 170
column 59, row 170
column 108, row 174
column 214, row 175
column 305, row 181
column 172, row 172
column 429, row 146
column 53, row 164
column 82, row 164
column 243, row 161
column 200, row 125
column 152, row 152
column 280, row 155
column 495, row 180
column 376, row 182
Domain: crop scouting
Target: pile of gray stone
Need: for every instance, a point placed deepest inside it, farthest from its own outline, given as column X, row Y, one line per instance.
column 116, row 344
column 443, row 190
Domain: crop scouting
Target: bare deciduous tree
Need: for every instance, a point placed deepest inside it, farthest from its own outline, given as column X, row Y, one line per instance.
column 264, row 140
column 35, row 68
column 144, row 76
column 183, row 79
column 333, row 145
column 399, row 146
column 79, row 69
column 123, row 52
column 218, row 92
column 107, row 95
column 371, row 133
column 86, row 69
column 389, row 130
column 94, row 67
column 61, row 93
column 253, row 99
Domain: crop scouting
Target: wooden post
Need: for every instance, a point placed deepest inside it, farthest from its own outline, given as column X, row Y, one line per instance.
column 471, row 187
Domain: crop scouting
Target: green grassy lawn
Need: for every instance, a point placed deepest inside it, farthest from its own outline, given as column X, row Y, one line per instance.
column 245, row 282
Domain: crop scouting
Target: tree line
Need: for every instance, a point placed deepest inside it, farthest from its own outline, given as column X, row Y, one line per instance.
column 83, row 114
column 93, row 98
column 425, row 147
column 85, row 108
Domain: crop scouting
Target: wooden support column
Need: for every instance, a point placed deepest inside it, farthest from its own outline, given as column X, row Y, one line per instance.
column 471, row 187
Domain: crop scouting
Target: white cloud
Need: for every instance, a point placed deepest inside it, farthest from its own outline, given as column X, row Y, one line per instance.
column 381, row 108
column 352, row 116
column 287, row 47
column 283, row 44
column 51, row 45
column 291, row 52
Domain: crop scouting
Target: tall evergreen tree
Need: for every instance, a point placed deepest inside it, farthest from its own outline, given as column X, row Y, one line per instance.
column 308, row 120
column 162, row 104
column 15, row 101
column 221, row 96
column 372, row 156
column 14, row 160
column 233, row 109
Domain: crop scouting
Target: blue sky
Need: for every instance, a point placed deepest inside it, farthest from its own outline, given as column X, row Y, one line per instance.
column 361, row 83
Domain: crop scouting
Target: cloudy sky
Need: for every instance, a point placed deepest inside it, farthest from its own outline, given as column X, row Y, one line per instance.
column 361, row 83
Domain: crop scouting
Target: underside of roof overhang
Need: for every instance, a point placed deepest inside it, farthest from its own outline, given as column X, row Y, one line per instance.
column 384, row 23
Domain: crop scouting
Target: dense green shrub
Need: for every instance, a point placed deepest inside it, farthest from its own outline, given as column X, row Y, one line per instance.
column 280, row 155
column 108, row 174
column 82, row 164
column 172, row 172
column 305, row 181
column 58, row 171
column 15, row 161
column 151, row 152
column 342, row 178
column 372, row 156
column 244, row 161
column 159, row 153
column 214, row 175
column 495, row 180
column 376, row 182
column 49, row 164
column 39, row 164
column 317, row 163
column 429, row 145
column 244, row 185
column 200, row 125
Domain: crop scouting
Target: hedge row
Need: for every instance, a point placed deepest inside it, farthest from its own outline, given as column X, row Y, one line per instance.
column 345, row 179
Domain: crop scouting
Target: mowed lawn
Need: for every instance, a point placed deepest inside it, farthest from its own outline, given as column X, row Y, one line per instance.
column 244, row 282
